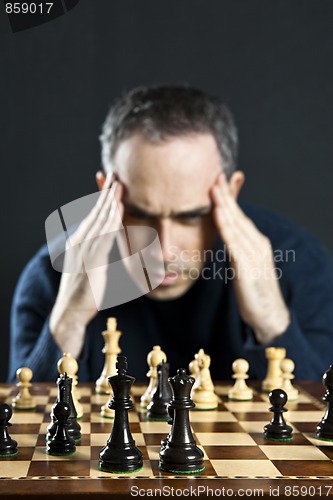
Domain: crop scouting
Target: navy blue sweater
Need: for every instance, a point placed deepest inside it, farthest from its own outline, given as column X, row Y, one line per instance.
column 206, row 316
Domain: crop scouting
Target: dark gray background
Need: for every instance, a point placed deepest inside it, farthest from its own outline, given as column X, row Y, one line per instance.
column 270, row 61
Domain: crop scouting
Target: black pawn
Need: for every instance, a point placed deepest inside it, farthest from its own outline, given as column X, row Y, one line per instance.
column 158, row 407
column 325, row 427
column 120, row 453
column 277, row 429
column 65, row 394
column 179, row 453
column 61, row 443
column 8, row 446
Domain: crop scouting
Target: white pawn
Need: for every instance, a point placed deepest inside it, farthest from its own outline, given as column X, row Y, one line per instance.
column 273, row 378
column 287, row 366
column 68, row 364
column 24, row 400
column 203, row 393
column 155, row 357
column 107, row 412
column 240, row 391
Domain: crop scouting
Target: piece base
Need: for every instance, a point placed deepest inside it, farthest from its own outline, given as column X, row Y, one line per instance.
column 106, row 416
column 8, row 455
column 119, row 471
column 173, row 471
column 278, row 439
column 324, row 438
column 53, row 454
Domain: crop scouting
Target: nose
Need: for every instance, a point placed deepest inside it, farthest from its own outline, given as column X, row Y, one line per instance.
column 166, row 236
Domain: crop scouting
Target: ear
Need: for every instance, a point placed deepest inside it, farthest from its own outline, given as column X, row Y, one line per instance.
column 236, row 182
column 100, row 179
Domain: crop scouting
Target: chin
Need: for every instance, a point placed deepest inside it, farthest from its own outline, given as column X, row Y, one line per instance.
column 169, row 292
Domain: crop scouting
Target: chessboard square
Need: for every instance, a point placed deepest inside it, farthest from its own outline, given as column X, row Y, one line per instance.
column 25, row 417
column 222, row 390
column 133, row 416
column 304, row 467
column 32, row 429
column 85, row 391
column 42, row 400
column 99, row 439
column 217, row 427
column 97, row 417
column 154, row 452
column 287, row 452
column 25, row 439
column 82, row 453
column 151, row 427
column 247, row 468
column 59, row 468
column 297, row 439
column 246, row 406
column 253, row 417
column 85, row 427
column 306, row 416
column 14, row 468
column 226, row 438
column 86, row 408
column 138, row 438
column 154, row 439
column 211, row 416
column 234, row 453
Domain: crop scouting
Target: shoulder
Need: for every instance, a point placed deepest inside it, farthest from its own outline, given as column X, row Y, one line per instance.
column 38, row 276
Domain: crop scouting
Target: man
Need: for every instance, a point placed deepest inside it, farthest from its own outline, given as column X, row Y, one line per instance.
column 169, row 157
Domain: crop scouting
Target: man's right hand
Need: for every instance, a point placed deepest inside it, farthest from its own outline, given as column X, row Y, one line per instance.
column 75, row 305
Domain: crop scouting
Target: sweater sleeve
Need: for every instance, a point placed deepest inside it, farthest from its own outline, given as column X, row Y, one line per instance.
column 307, row 286
column 31, row 343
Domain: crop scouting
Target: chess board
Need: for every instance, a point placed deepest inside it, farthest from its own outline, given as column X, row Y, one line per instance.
column 236, row 454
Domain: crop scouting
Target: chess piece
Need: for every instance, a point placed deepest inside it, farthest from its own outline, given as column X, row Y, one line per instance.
column 8, row 446
column 193, row 367
column 120, row 453
column 179, row 452
column 158, row 407
column 203, row 394
column 68, row 364
column 154, row 357
column 277, row 429
column 273, row 378
column 24, row 400
column 287, row 367
column 61, row 443
column 240, row 391
column 65, row 395
column 111, row 350
column 325, row 427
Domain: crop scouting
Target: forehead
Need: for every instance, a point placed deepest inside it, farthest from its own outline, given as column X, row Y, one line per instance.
column 175, row 173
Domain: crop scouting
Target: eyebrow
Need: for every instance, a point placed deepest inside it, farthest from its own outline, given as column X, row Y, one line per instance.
column 193, row 212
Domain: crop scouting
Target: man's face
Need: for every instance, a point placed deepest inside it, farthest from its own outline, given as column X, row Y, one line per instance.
column 167, row 187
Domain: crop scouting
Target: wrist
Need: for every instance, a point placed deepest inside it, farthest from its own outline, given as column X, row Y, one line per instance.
column 271, row 330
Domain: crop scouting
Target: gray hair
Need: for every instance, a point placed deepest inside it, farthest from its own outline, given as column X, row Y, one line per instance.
column 161, row 112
